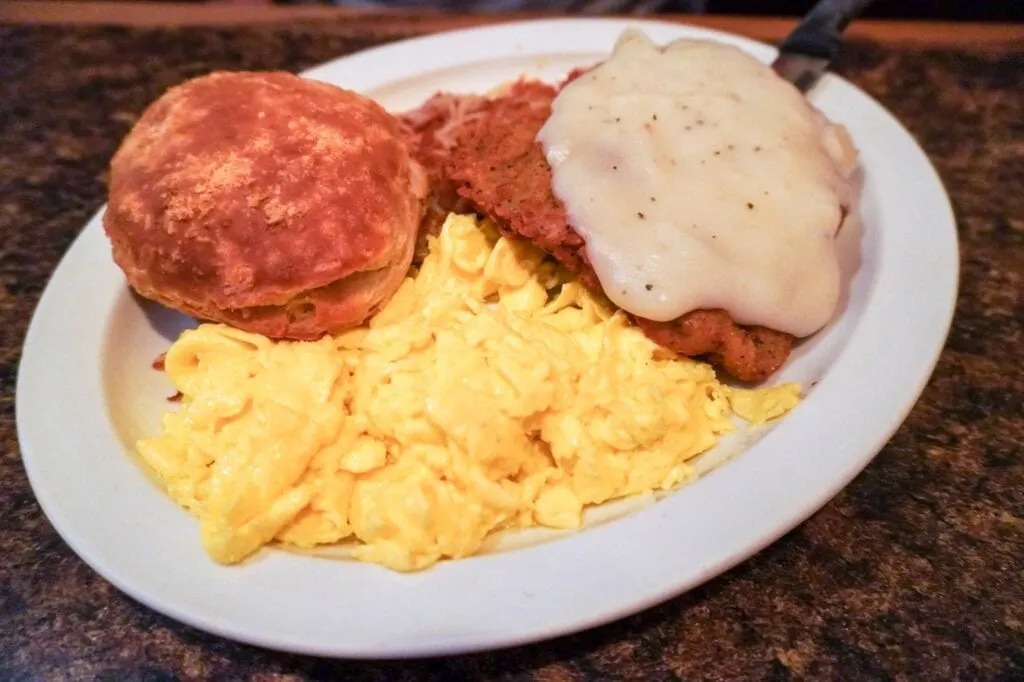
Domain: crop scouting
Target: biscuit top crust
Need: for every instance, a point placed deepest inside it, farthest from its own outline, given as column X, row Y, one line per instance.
column 243, row 189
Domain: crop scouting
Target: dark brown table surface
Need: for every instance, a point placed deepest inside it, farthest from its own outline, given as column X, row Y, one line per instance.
column 915, row 571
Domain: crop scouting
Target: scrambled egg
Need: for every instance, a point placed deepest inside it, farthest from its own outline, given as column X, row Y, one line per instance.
column 491, row 392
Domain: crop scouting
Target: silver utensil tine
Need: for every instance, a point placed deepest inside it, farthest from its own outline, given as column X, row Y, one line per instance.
column 806, row 53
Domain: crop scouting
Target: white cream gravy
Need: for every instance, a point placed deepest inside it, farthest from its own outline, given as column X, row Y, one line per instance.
column 700, row 179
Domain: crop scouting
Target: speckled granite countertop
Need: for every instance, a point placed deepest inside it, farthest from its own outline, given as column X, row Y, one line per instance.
column 915, row 571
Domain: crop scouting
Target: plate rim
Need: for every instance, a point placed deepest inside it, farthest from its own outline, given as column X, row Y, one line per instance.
column 27, row 394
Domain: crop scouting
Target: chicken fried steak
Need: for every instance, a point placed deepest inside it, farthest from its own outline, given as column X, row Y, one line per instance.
column 499, row 167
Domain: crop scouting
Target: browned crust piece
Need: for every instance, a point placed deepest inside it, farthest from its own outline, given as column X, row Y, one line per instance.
column 275, row 204
column 501, row 170
column 430, row 131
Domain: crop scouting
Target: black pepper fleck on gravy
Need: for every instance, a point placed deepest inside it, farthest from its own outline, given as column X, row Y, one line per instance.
column 912, row 572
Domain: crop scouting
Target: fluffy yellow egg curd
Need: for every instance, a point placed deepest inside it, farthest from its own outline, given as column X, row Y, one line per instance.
column 492, row 392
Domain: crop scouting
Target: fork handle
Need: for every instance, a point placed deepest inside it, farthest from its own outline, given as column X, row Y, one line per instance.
column 818, row 34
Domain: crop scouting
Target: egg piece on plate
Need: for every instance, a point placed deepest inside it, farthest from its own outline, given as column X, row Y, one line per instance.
column 491, row 392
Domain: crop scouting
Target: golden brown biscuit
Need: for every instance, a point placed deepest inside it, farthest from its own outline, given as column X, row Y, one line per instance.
column 266, row 201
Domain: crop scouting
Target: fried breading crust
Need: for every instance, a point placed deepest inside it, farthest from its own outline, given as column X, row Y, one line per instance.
column 499, row 167
column 430, row 131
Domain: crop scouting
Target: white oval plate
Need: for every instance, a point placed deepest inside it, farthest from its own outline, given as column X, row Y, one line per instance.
column 86, row 392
